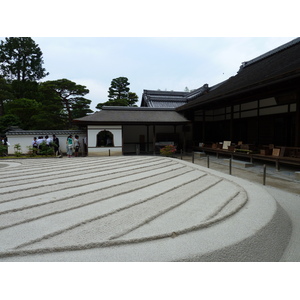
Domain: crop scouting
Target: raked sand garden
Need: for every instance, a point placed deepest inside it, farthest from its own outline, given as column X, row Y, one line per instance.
column 134, row 208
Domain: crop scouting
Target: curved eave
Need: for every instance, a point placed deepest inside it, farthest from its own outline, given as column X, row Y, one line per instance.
column 271, row 82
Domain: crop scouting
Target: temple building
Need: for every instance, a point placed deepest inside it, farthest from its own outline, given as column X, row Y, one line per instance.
column 259, row 106
column 257, row 112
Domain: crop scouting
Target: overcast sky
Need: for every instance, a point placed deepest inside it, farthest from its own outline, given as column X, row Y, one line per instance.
column 166, row 45
column 149, row 63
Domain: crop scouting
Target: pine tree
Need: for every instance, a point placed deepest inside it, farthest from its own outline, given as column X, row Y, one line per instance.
column 119, row 94
column 21, row 60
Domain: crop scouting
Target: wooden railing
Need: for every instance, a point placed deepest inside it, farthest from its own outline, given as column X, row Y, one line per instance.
column 281, row 155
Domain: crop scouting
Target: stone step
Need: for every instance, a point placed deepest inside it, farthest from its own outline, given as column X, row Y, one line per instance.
column 199, row 154
column 240, row 163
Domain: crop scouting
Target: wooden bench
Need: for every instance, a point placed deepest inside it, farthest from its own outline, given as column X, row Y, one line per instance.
column 225, row 152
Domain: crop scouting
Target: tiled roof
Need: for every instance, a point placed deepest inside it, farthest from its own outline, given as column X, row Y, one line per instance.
column 133, row 115
column 18, row 131
column 171, row 99
column 272, row 52
column 280, row 64
column 163, row 99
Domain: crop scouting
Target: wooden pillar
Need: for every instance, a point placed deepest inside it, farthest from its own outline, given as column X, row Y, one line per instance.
column 86, row 146
column 184, row 128
column 258, row 139
column 122, row 140
column 231, row 124
column 147, row 146
column 203, row 127
column 154, row 139
column 297, row 129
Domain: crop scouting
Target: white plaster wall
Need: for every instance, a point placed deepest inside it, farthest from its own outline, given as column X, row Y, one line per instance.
column 105, row 151
column 93, row 150
column 26, row 140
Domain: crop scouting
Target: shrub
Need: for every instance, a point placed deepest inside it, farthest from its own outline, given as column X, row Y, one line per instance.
column 18, row 150
column 31, row 151
column 168, row 150
column 45, row 149
column 3, row 149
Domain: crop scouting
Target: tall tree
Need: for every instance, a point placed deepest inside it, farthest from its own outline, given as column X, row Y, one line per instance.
column 119, row 89
column 9, row 120
column 21, row 59
column 119, row 94
column 24, row 110
column 69, row 94
column 5, row 94
column 51, row 114
column 81, row 107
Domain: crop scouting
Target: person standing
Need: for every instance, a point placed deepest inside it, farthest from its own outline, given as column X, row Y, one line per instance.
column 39, row 141
column 48, row 140
column 76, row 145
column 34, row 145
column 56, row 145
column 5, row 143
column 85, row 148
column 70, row 144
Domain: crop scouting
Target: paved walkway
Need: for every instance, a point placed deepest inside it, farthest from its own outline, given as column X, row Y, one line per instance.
column 140, row 208
column 285, row 179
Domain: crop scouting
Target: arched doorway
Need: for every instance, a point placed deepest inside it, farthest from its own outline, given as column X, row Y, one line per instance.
column 105, row 139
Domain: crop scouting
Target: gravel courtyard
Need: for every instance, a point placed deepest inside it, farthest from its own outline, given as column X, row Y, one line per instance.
column 134, row 208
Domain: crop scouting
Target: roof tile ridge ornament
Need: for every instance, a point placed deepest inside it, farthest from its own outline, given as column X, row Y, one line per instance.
column 198, row 92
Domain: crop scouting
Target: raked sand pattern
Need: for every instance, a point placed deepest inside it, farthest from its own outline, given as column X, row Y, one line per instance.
column 129, row 208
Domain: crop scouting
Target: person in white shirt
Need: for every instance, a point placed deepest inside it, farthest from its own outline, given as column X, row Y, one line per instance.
column 35, row 145
column 39, row 141
column 48, row 140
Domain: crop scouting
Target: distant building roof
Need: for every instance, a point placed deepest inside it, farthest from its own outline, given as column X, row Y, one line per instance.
column 163, row 99
column 171, row 99
column 133, row 115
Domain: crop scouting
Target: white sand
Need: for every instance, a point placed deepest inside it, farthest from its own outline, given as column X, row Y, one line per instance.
column 137, row 208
